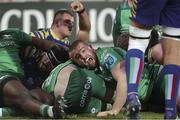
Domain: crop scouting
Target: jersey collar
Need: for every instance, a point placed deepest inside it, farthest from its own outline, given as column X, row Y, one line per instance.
column 54, row 35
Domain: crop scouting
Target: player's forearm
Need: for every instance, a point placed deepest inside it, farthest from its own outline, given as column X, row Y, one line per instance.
column 42, row 44
column 84, row 22
column 121, row 88
column 121, row 94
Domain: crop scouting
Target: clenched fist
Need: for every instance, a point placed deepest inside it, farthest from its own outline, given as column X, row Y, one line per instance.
column 77, row 6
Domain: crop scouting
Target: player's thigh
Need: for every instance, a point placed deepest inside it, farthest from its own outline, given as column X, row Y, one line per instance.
column 171, row 50
column 10, row 87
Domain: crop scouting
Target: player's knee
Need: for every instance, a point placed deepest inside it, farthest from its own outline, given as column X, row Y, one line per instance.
column 157, row 53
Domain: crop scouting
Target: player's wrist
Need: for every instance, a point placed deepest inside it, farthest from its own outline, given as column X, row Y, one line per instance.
column 81, row 11
column 113, row 112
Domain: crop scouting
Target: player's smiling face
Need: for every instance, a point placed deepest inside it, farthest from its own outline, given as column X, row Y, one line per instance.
column 84, row 55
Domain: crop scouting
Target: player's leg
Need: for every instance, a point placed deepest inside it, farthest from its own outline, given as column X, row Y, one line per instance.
column 6, row 112
column 178, row 102
column 169, row 19
column 37, row 94
column 145, row 14
column 42, row 96
column 156, row 53
column 171, row 60
column 14, row 94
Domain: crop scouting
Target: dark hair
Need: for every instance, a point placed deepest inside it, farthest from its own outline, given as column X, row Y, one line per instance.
column 75, row 44
column 58, row 14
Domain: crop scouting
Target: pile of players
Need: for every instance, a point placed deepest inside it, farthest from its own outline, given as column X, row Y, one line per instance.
column 44, row 74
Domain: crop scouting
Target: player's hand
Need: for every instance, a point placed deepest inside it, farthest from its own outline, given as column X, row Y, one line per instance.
column 107, row 113
column 77, row 6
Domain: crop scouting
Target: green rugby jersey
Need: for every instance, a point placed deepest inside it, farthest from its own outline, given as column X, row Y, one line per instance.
column 50, row 82
column 11, row 41
column 121, row 22
column 108, row 57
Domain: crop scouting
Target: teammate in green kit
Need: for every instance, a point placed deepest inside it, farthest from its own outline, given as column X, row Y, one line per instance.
column 106, row 60
column 82, row 89
column 13, row 93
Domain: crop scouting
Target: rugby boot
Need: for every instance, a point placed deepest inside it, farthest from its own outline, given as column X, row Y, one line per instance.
column 133, row 107
column 169, row 115
column 58, row 109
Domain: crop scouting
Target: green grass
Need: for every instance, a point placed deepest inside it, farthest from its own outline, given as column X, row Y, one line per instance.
column 144, row 115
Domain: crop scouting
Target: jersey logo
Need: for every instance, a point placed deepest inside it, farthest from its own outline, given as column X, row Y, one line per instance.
column 109, row 60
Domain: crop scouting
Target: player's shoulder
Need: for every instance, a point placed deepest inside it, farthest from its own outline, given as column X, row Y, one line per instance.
column 40, row 33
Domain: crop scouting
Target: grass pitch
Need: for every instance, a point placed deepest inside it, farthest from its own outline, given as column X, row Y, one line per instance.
column 144, row 115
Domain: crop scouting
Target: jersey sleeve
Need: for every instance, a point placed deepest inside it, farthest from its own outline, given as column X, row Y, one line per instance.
column 38, row 34
column 110, row 58
column 31, row 51
column 22, row 37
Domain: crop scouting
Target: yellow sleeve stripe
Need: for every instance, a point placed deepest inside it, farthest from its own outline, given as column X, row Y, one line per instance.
column 42, row 34
column 32, row 34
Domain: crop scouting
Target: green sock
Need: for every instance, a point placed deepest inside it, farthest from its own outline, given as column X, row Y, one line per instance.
column 5, row 112
column 43, row 110
column 46, row 110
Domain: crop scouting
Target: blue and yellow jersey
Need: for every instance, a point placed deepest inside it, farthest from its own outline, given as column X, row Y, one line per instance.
column 50, row 35
column 32, row 57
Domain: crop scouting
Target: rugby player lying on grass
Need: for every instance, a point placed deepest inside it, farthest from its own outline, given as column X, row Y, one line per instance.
column 109, row 62
column 82, row 89
column 13, row 93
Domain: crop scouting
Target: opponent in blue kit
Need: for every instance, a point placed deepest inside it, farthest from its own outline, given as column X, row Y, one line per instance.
column 144, row 15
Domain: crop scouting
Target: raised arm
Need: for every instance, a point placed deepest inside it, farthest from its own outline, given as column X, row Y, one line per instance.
column 84, row 21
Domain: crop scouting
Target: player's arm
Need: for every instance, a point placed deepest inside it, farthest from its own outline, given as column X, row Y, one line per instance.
column 42, row 44
column 121, row 90
column 84, row 21
column 46, row 45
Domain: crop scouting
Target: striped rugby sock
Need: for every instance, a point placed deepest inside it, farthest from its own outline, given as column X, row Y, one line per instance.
column 171, row 77
column 134, row 67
